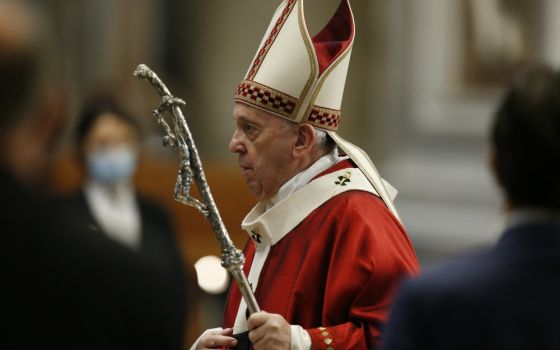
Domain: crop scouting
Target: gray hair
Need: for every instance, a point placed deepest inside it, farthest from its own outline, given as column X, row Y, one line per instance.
column 323, row 140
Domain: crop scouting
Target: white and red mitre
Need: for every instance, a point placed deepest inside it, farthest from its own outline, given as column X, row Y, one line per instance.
column 301, row 78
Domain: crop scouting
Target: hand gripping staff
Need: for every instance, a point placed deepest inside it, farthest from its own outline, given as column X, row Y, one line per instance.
column 190, row 168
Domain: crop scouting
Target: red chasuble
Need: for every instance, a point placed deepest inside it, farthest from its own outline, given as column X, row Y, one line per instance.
column 336, row 272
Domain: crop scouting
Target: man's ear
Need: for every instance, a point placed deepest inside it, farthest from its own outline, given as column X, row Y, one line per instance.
column 305, row 139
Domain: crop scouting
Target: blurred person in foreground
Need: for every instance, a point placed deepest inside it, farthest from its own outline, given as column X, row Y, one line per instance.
column 61, row 288
column 505, row 297
column 108, row 145
column 327, row 248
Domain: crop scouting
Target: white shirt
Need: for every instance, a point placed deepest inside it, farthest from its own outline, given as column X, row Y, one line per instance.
column 116, row 212
column 303, row 178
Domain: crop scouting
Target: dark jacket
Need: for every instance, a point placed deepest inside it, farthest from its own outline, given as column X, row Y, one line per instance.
column 504, row 298
column 67, row 288
column 158, row 243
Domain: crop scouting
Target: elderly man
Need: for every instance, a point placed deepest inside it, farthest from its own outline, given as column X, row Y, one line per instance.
column 327, row 248
column 505, row 297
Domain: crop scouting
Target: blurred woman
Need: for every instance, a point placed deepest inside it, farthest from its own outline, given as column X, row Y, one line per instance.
column 108, row 143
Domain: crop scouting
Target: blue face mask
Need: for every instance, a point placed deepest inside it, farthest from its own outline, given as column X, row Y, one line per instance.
column 112, row 165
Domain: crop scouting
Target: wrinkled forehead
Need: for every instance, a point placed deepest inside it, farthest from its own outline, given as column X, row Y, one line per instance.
column 246, row 112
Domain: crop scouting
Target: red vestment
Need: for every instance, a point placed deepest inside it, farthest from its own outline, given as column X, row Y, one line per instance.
column 336, row 272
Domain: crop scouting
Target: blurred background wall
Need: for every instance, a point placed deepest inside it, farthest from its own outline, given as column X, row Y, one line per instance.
column 423, row 82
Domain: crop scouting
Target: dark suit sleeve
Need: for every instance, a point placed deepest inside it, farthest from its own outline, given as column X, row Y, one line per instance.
column 406, row 326
column 160, row 246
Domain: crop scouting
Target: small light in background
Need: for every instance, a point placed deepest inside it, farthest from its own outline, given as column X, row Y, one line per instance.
column 212, row 277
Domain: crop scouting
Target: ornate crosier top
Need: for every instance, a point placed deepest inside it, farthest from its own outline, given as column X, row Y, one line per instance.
column 190, row 169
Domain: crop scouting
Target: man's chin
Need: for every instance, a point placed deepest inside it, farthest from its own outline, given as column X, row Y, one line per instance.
column 257, row 192
column 252, row 186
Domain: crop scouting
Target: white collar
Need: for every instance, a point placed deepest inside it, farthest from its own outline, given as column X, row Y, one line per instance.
column 303, row 178
column 115, row 212
column 267, row 227
column 122, row 192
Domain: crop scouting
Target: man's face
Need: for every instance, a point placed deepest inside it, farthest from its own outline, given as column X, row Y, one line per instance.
column 264, row 143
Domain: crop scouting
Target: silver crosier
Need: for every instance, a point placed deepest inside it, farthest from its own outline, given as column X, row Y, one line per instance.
column 190, row 169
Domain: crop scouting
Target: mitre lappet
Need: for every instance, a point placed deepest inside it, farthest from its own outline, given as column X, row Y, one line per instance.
column 301, row 78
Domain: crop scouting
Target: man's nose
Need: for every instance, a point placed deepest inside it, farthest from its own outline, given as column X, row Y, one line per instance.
column 236, row 145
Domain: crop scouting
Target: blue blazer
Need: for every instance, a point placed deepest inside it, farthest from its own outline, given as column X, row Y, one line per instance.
column 504, row 298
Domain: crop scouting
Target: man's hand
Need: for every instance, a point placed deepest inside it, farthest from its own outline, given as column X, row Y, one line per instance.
column 217, row 339
column 269, row 331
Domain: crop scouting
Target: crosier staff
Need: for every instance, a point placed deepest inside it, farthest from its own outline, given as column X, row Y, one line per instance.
column 190, row 168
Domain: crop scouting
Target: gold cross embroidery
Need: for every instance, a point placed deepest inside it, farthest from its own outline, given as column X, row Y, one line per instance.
column 256, row 236
column 343, row 179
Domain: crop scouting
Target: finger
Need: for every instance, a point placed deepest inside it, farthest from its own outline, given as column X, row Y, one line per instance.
column 257, row 326
column 261, row 344
column 274, row 332
column 257, row 334
column 216, row 341
column 225, row 331
column 218, row 336
column 257, row 319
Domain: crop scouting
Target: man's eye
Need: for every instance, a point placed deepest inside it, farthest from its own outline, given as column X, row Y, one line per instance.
column 249, row 129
